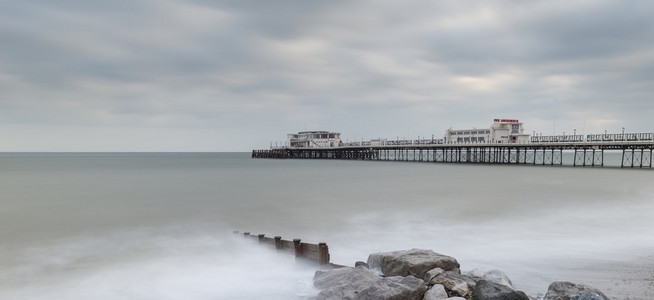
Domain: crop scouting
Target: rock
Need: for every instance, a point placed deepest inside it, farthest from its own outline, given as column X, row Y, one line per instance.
column 456, row 298
column 411, row 262
column 436, row 292
column 456, row 284
column 323, row 280
column 432, row 273
column 363, row 264
column 394, row 288
column 475, row 274
column 587, row 295
column 498, row 277
column 562, row 290
column 487, row 290
column 362, row 283
column 343, row 283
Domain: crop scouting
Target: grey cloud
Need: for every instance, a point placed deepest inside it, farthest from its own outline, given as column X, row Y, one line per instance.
column 540, row 32
column 368, row 69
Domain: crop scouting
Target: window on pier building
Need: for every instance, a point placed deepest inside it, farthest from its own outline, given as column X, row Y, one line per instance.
column 515, row 128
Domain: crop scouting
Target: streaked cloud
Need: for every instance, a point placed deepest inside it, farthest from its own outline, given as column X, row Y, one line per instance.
column 237, row 75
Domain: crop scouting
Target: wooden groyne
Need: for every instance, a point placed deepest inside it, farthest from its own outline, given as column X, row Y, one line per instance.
column 318, row 253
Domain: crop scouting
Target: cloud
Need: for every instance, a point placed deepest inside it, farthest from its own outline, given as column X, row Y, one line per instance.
column 252, row 71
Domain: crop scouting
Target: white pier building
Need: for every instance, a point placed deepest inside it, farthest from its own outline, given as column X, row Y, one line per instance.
column 502, row 131
column 314, row 139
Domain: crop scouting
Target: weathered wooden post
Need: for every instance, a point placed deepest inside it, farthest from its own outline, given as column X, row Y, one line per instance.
column 324, row 254
column 261, row 237
column 278, row 242
column 298, row 248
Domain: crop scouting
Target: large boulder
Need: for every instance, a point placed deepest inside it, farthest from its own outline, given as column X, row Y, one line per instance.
column 326, row 279
column 587, row 295
column 361, row 283
column 563, row 290
column 436, row 292
column 343, row 283
column 475, row 274
column 486, row 290
column 498, row 277
column 394, row 288
column 411, row 262
column 455, row 284
column 433, row 273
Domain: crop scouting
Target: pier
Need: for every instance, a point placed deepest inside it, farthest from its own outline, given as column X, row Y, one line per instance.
column 503, row 142
column 635, row 154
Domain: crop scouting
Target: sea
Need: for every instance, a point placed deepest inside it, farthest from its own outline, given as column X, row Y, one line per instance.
column 161, row 225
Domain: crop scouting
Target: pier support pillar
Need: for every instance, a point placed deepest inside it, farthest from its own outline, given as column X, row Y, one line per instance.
column 622, row 163
column 634, row 156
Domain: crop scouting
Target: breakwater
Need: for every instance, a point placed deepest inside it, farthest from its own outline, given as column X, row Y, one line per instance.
column 416, row 274
column 305, row 251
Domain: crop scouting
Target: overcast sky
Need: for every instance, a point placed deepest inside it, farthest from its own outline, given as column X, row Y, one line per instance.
column 160, row 75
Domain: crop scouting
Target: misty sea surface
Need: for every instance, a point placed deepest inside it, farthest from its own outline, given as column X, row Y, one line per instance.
column 160, row 225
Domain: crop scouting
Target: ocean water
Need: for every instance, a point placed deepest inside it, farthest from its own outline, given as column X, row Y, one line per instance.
column 160, row 225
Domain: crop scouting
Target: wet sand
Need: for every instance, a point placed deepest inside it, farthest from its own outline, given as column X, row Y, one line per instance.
column 620, row 280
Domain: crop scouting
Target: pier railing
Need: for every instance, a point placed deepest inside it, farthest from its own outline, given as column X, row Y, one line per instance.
column 535, row 139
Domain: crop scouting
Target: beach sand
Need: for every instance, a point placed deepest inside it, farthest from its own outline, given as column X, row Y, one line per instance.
column 626, row 280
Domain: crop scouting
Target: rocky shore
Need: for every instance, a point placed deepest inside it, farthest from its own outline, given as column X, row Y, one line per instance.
column 419, row 274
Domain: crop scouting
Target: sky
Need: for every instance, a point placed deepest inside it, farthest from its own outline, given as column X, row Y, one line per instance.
column 162, row 75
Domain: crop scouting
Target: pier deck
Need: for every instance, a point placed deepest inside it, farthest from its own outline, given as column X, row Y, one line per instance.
column 637, row 154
